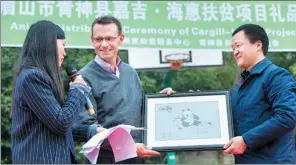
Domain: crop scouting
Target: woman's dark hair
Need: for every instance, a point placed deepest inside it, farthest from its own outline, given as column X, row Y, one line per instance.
column 40, row 51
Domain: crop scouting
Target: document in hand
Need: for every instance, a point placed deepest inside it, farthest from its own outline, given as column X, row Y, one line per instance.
column 122, row 143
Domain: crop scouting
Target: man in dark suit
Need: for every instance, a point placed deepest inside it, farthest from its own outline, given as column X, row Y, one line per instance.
column 263, row 103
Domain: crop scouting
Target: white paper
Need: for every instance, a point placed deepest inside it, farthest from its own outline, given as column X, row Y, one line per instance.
column 122, row 143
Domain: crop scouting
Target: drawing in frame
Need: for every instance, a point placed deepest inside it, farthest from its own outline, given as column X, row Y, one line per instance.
column 188, row 121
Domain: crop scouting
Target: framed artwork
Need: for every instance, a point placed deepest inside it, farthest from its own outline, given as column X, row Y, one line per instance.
column 188, row 121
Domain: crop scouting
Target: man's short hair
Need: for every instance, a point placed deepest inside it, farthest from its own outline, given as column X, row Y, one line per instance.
column 254, row 33
column 104, row 20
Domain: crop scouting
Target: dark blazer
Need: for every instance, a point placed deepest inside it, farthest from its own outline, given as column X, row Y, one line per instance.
column 41, row 127
column 264, row 110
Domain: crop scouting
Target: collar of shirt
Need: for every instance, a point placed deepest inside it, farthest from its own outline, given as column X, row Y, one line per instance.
column 245, row 74
column 257, row 69
column 242, row 78
column 109, row 68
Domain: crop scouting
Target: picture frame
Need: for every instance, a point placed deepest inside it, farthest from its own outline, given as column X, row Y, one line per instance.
column 188, row 121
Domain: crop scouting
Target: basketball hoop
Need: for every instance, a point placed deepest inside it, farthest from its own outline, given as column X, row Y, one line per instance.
column 176, row 60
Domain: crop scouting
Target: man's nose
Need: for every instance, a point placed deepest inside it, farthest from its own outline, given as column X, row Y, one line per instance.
column 235, row 52
column 104, row 43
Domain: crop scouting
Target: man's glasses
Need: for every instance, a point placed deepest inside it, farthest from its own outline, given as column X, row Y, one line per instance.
column 107, row 39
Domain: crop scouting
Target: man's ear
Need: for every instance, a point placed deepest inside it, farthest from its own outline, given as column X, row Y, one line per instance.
column 259, row 45
column 92, row 40
column 121, row 38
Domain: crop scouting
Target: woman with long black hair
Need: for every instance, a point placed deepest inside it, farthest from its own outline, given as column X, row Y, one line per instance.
column 41, row 117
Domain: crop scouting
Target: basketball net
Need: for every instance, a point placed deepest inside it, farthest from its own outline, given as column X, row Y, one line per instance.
column 176, row 60
column 176, row 64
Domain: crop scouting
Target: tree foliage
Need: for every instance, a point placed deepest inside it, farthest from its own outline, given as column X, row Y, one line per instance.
column 203, row 78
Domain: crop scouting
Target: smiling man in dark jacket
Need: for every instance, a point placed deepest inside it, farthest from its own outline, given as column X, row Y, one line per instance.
column 263, row 103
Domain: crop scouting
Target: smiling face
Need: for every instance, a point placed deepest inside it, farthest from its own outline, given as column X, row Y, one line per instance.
column 245, row 53
column 106, row 41
column 61, row 50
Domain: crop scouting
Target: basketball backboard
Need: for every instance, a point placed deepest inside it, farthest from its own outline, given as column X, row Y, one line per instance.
column 152, row 59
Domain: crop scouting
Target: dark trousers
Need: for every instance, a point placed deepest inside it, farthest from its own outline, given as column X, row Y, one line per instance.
column 107, row 157
column 110, row 160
